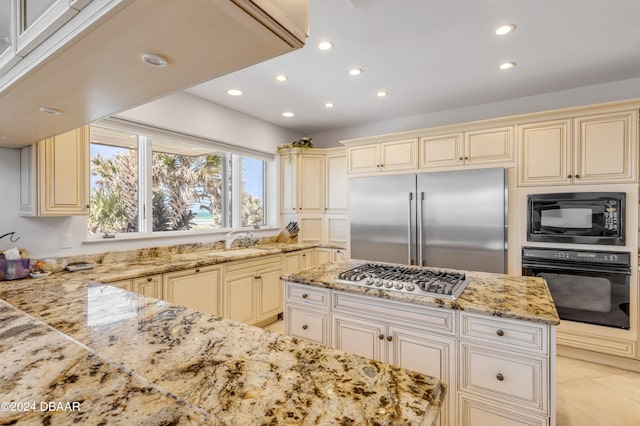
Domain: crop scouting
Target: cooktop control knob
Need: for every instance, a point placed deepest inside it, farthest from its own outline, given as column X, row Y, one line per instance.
column 409, row 287
column 398, row 285
column 388, row 284
column 378, row 282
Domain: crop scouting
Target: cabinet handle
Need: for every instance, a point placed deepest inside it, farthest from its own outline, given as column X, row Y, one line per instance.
column 257, row 277
column 500, row 377
column 304, row 255
column 389, row 338
column 500, row 332
column 305, row 326
column 305, row 295
column 381, row 336
column 197, row 269
column 149, row 279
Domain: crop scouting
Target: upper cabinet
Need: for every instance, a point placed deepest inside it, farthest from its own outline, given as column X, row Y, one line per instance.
column 589, row 149
column 54, row 176
column 335, row 181
column 302, row 182
column 48, row 54
column 390, row 156
column 493, row 146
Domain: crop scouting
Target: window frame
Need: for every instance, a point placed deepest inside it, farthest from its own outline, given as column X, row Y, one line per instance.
column 145, row 135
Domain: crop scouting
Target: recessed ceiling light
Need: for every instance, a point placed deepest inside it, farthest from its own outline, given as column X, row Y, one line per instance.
column 329, row 105
column 234, row 92
column 282, row 77
column 154, row 60
column 51, row 111
column 505, row 29
column 288, row 114
column 507, row 65
column 355, row 71
column 382, row 93
column 325, row 45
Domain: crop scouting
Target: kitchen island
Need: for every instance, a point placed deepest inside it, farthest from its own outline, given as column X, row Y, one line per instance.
column 494, row 344
column 110, row 355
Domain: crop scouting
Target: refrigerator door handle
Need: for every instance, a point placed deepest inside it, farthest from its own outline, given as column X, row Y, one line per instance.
column 419, row 224
column 410, row 261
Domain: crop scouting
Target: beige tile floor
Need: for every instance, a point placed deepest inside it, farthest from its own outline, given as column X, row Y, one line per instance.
column 587, row 394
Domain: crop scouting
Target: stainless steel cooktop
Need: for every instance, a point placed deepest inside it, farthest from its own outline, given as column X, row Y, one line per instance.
column 409, row 279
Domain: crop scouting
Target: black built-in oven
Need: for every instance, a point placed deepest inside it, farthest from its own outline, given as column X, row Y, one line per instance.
column 587, row 286
column 577, row 218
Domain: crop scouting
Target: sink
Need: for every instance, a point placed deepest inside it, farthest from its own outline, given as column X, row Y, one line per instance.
column 238, row 252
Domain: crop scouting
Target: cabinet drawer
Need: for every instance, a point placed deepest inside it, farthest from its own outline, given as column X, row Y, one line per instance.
column 478, row 413
column 432, row 319
column 508, row 333
column 308, row 325
column 307, row 295
column 505, row 377
column 258, row 263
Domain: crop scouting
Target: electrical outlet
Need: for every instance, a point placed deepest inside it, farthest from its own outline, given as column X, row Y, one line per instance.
column 65, row 241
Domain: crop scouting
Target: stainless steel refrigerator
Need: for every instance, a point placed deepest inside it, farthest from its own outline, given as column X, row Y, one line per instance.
column 453, row 219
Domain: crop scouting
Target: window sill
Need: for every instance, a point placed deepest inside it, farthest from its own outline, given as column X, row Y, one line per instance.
column 219, row 235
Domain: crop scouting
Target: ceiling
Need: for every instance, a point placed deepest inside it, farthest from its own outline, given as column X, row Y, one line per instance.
column 431, row 56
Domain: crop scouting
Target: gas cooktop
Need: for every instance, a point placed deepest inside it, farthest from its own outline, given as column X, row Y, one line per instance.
column 409, row 279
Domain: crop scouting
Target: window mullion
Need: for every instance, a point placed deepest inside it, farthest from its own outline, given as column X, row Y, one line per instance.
column 236, row 181
column 146, row 183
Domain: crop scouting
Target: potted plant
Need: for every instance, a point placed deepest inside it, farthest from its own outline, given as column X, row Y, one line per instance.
column 302, row 145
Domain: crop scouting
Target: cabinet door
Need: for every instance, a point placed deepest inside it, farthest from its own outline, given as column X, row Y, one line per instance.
column 544, row 153
column 489, row 146
column 441, row 151
column 123, row 284
column 292, row 262
column 399, row 155
column 239, row 299
column 606, row 148
column 307, row 324
column 429, row 354
column 363, row 159
column 270, row 294
column 307, row 258
column 478, row 413
column 339, row 255
column 288, row 165
column 198, row 288
column 38, row 19
column 323, row 255
column 310, row 228
column 358, row 336
column 311, row 183
column 336, row 229
column 63, row 174
column 336, row 184
column 7, row 36
column 150, row 286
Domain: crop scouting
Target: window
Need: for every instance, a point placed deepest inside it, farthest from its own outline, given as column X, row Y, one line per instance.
column 114, row 182
column 188, row 184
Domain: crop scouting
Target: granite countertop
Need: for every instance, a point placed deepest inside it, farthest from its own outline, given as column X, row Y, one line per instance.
column 506, row 296
column 123, row 356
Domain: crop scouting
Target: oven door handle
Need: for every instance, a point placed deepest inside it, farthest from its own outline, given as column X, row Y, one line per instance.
column 621, row 270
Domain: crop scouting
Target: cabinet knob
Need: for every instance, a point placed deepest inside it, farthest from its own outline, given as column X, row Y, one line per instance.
column 305, row 295
column 197, row 269
column 466, row 158
column 87, row 206
column 257, row 277
column 149, row 279
column 500, row 332
column 569, row 176
column 500, row 377
column 389, row 338
column 381, row 336
column 460, row 158
column 304, row 254
column 577, row 176
column 305, row 326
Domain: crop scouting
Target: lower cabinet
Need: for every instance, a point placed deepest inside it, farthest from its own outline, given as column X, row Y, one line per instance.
column 326, row 255
column 498, row 371
column 253, row 290
column 197, row 288
column 298, row 260
column 150, row 286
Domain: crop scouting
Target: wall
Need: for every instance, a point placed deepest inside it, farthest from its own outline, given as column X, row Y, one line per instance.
column 606, row 92
column 180, row 112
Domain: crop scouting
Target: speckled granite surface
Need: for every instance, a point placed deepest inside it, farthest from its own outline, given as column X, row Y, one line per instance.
column 515, row 297
column 206, row 365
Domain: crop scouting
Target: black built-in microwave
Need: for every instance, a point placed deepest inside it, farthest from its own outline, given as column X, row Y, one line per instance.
column 577, row 218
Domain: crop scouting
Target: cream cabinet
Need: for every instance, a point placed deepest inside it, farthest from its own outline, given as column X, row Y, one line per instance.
column 498, row 371
column 298, row 260
column 591, row 149
column 253, row 290
column 150, row 286
column 307, row 313
column 326, row 255
column 54, row 176
column 383, row 157
column 493, row 146
column 336, row 181
column 197, row 288
column 302, row 182
column 123, row 284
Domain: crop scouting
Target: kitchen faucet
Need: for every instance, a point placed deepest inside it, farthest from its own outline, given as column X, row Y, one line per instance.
column 248, row 239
